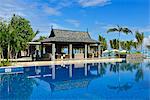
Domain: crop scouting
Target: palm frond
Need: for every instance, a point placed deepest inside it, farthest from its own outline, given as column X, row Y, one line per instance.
column 37, row 32
column 112, row 30
column 139, row 36
column 126, row 30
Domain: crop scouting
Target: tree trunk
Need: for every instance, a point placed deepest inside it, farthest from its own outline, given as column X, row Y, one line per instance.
column 102, row 51
column 8, row 51
column 0, row 53
column 0, row 57
column 10, row 54
column 141, row 47
column 119, row 44
column 16, row 56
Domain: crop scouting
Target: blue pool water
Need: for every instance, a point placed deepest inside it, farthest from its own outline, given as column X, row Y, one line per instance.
column 90, row 81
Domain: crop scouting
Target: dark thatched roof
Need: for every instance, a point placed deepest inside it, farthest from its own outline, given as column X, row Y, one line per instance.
column 58, row 35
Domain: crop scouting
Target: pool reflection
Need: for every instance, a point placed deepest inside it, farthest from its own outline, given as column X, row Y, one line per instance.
column 72, row 76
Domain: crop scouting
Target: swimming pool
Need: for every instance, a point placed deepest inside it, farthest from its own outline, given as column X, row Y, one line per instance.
column 77, row 81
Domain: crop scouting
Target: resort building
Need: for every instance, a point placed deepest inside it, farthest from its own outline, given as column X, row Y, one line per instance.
column 66, row 44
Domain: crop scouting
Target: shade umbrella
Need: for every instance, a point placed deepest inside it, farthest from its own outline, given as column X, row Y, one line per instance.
column 106, row 51
column 115, row 50
column 123, row 51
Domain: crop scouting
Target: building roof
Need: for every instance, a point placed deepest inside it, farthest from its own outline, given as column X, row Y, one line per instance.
column 58, row 35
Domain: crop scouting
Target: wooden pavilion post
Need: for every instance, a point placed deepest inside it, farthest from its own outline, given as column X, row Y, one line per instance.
column 85, row 51
column 70, row 51
column 53, row 51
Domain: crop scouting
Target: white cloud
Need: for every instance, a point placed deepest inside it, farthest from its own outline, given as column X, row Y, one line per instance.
column 9, row 7
column 142, row 29
column 64, row 3
column 90, row 3
column 76, row 23
column 52, row 7
column 52, row 11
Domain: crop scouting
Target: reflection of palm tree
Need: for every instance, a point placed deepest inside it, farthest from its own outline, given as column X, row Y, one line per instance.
column 123, row 87
column 128, row 66
column 116, row 68
column 124, row 66
column 139, row 75
column 148, row 65
column 102, row 70
column 16, row 86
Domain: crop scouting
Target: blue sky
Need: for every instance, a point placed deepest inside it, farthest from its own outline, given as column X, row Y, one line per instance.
column 96, row 15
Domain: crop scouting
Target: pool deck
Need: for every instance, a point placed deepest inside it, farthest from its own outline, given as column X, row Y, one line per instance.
column 73, row 61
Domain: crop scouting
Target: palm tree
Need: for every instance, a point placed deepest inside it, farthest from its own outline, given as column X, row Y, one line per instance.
column 139, row 74
column 123, row 45
column 119, row 30
column 114, row 44
column 103, row 43
column 135, row 44
column 140, row 38
column 129, row 45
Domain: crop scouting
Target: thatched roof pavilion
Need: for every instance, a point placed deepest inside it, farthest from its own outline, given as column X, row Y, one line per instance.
column 58, row 35
column 72, row 40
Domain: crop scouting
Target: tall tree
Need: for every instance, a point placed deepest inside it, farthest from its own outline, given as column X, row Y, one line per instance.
column 114, row 44
column 119, row 30
column 1, row 39
column 135, row 44
column 15, row 35
column 140, row 38
column 129, row 45
column 3, row 33
column 123, row 45
column 103, row 42
column 20, row 33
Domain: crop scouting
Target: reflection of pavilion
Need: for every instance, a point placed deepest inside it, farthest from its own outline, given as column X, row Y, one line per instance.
column 64, row 77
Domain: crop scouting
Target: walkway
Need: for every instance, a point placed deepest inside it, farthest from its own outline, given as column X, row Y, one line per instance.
column 43, row 63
